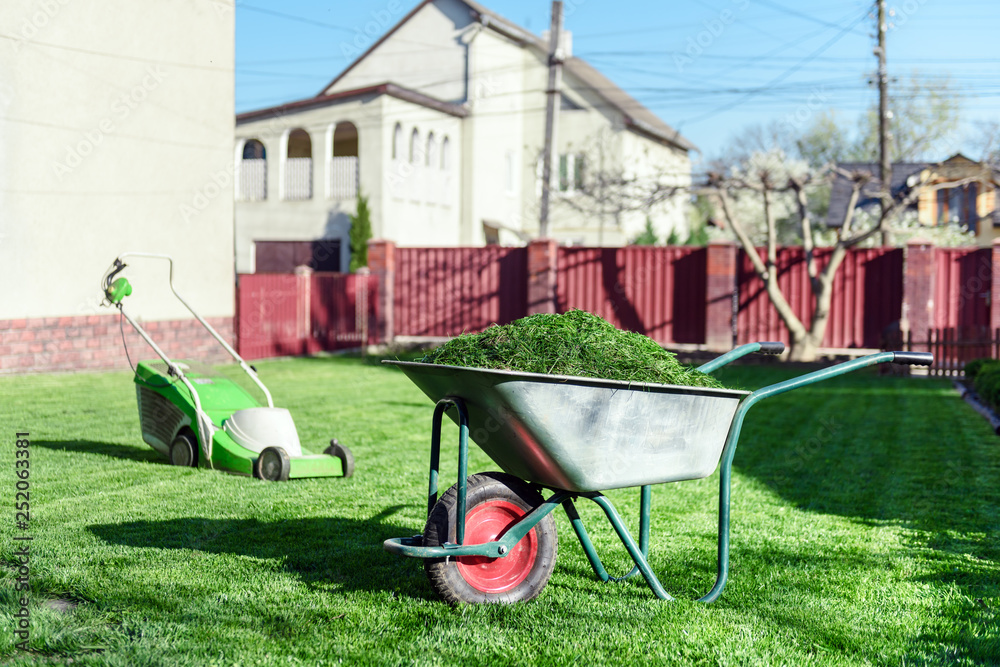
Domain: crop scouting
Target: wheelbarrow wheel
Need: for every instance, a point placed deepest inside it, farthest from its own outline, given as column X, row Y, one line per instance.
column 494, row 502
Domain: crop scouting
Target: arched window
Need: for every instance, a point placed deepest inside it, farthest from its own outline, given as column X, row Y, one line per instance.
column 431, row 156
column 252, row 184
column 342, row 168
column 253, row 149
column 397, row 142
column 298, row 165
column 414, row 147
column 446, row 154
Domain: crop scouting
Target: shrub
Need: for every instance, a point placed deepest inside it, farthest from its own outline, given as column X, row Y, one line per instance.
column 360, row 233
column 974, row 367
column 987, row 384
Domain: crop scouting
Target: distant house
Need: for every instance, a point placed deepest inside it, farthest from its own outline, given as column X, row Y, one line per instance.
column 441, row 124
column 971, row 201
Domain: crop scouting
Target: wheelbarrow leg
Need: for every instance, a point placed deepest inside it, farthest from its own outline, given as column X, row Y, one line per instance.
column 463, row 459
column 588, row 546
column 633, row 549
column 725, row 487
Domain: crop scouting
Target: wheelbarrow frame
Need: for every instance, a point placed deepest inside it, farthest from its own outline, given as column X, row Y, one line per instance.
column 639, row 552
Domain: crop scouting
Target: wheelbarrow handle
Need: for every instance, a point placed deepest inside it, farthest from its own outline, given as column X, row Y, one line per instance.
column 742, row 351
column 913, row 358
column 771, row 347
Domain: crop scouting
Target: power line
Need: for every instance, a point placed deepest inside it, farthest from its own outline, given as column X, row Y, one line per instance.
column 119, row 56
column 292, row 17
column 780, row 77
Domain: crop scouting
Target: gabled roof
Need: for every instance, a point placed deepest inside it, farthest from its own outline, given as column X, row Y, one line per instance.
column 637, row 117
column 390, row 89
column 904, row 177
column 840, row 191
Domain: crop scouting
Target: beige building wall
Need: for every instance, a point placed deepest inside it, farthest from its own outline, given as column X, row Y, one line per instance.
column 496, row 76
column 427, row 53
column 421, row 185
column 495, row 138
column 413, row 195
column 115, row 135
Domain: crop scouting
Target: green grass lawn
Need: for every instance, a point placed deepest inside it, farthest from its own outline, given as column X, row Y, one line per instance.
column 866, row 519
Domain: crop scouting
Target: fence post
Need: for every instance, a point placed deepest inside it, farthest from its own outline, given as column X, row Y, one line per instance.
column 995, row 287
column 303, row 309
column 543, row 255
column 382, row 263
column 720, row 284
column 919, row 286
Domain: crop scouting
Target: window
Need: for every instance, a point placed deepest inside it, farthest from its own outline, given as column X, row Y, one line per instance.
column 342, row 163
column 445, row 154
column 957, row 205
column 571, row 172
column 509, row 172
column 397, row 142
column 578, row 167
column 414, row 146
column 564, row 173
column 431, row 155
column 298, row 165
column 252, row 182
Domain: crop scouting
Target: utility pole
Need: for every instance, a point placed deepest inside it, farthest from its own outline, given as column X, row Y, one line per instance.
column 885, row 166
column 552, row 104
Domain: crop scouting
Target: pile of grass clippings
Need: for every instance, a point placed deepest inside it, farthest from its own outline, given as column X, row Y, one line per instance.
column 575, row 343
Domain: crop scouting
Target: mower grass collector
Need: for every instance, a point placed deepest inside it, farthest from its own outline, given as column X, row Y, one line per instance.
column 198, row 417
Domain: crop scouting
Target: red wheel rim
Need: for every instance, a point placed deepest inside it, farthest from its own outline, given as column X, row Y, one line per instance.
column 485, row 523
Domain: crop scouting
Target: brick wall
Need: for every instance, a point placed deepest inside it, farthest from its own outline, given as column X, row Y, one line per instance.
column 95, row 342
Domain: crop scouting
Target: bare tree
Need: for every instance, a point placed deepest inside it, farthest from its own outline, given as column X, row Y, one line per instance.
column 768, row 176
column 600, row 186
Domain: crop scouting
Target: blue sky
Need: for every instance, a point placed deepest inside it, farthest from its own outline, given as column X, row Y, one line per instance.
column 707, row 67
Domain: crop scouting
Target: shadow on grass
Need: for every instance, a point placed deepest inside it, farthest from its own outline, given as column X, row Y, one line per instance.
column 877, row 449
column 109, row 449
column 319, row 551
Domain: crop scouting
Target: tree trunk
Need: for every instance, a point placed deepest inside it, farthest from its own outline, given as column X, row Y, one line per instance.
column 805, row 348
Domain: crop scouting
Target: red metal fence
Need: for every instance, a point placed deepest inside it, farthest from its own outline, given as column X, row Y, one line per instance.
column 656, row 291
column 962, row 288
column 868, row 297
column 953, row 347
column 286, row 314
column 448, row 291
column 270, row 316
column 343, row 311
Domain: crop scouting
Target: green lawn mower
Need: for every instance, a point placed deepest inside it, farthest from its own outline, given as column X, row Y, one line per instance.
column 197, row 416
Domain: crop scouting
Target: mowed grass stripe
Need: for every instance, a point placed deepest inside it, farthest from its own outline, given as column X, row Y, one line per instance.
column 880, row 548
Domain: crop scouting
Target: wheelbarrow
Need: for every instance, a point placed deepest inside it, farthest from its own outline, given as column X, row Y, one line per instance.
column 492, row 537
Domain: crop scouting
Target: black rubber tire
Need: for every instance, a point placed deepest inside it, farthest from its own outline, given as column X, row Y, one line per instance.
column 273, row 465
column 338, row 451
column 184, row 451
column 446, row 574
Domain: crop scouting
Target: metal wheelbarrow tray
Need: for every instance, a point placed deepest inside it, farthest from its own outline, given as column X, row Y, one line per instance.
column 491, row 537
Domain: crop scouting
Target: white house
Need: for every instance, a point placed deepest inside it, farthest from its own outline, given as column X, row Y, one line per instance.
column 116, row 122
column 441, row 124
